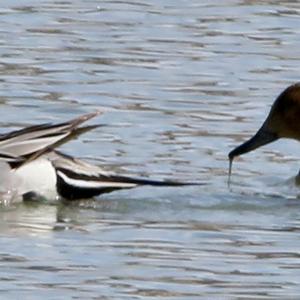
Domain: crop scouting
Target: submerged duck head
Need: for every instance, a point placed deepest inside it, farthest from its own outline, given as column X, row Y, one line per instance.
column 282, row 122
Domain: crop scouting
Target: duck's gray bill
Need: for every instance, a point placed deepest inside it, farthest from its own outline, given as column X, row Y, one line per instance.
column 261, row 138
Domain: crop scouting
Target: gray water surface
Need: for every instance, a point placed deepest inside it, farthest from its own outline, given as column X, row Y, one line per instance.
column 181, row 83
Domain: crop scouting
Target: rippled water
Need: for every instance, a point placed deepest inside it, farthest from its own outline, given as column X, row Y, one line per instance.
column 181, row 83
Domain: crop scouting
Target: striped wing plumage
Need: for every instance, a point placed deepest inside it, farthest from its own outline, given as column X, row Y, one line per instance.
column 31, row 142
column 77, row 179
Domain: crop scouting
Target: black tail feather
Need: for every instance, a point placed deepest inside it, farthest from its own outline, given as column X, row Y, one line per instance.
column 72, row 186
column 145, row 181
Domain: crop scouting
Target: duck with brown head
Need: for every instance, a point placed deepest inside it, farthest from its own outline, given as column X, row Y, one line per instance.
column 282, row 122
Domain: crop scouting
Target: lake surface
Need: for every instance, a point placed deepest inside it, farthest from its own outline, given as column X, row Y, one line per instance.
column 181, row 83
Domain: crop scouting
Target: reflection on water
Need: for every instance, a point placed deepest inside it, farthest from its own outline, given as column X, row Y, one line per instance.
column 181, row 83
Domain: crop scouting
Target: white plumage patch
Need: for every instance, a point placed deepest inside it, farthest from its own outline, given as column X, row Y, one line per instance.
column 37, row 176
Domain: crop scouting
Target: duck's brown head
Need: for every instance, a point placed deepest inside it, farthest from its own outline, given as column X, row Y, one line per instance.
column 283, row 121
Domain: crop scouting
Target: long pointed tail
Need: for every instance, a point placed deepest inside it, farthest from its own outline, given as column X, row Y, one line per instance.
column 74, row 186
column 145, row 181
column 77, row 179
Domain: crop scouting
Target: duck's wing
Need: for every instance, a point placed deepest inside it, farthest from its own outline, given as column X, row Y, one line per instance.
column 77, row 179
column 31, row 142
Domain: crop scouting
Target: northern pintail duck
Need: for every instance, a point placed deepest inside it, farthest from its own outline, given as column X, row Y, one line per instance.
column 282, row 122
column 33, row 168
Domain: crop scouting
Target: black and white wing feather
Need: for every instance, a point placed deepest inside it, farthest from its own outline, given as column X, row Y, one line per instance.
column 77, row 179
